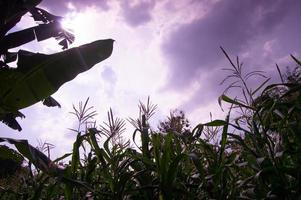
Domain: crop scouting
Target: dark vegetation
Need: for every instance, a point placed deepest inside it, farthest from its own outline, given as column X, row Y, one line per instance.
column 37, row 76
column 254, row 153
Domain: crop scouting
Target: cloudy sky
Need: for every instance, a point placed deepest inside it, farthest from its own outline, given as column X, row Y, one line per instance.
column 165, row 49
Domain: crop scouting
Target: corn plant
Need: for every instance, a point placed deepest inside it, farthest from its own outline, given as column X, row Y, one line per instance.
column 267, row 135
column 254, row 153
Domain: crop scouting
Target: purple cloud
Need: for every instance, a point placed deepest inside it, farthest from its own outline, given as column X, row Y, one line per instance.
column 192, row 50
column 134, row 13
column 61, row 7
column 138, row 13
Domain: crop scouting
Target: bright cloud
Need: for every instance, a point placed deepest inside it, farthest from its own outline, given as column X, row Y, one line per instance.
column 166, row 49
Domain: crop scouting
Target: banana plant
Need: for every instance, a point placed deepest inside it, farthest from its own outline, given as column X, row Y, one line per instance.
column 12, row 12
column 37, row 75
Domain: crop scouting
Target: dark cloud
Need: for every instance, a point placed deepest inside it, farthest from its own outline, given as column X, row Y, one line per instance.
column 192, row 50
column 60, row 7
column 138, row 13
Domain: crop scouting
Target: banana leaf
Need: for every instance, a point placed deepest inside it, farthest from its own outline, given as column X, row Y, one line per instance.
column 10, row 161
column 37, row 76
column 40, row 33
column 9, row 119
column 38, row 158
column 12, row 11
column 49, row 26
column 42, row 162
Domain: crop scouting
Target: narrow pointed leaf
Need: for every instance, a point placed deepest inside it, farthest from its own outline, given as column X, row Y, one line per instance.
column 296, row 60
column 216, row 123
column 224, row 138
column 232, row 101
column 260, row 86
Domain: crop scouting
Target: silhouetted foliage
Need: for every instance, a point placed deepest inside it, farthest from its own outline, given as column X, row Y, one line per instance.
column 176, row 122
column 254, row 153
column 10, row 161
column 37, row 76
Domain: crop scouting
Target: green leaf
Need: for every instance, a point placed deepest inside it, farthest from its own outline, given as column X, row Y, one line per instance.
column 198, row 164
column 243, row 143
column 75, row 161
column 42, row 162
column 216, row 123
column 173, row 169
column 166, row 155
column 145, row 138
column 38, row 75
column 98, row 151
column 62, row 157
column 38, row 190
column 224, row 137
column 76, row 183
column 197, row 131
column 106, row 146
column 39, row 159
column 156, row 149
column 234, row 102
column 260, row 86
column 7, row 153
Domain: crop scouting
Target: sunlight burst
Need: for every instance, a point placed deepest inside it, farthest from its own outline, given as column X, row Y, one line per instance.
column 80, row 24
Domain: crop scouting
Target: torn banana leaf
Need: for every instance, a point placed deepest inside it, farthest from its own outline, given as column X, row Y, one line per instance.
column 39, row 33
column 38, row 76
column 10, row 119
column 12, row 12
column 51, row 102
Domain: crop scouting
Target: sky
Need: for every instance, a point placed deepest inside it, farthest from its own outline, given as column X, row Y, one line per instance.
column 166, row 49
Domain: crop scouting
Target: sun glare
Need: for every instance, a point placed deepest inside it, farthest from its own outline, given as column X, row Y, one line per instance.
column 80, row 24
column 88, row 24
